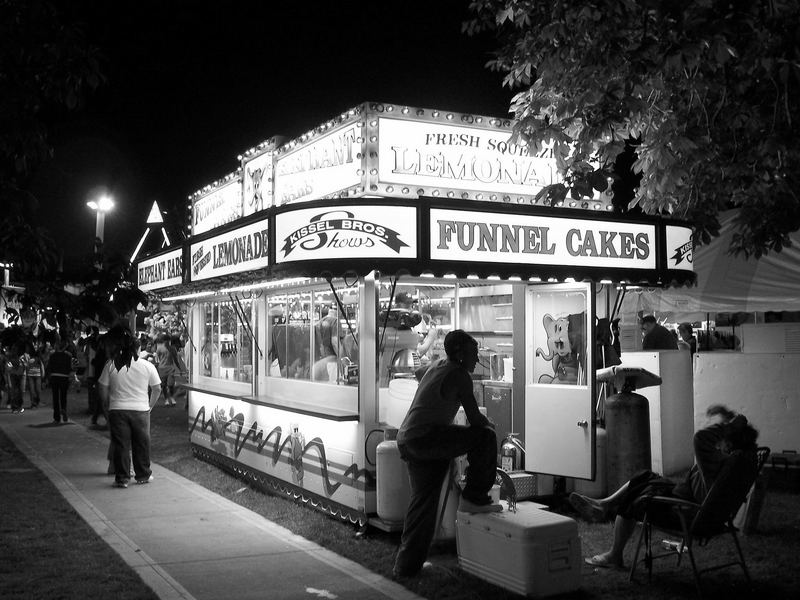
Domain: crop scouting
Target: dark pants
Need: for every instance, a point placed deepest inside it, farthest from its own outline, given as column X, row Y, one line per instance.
column 15, row 390
column 59, row 385
column 95, row 404
column 428, row 461
column 130, row 434
column 644, row 484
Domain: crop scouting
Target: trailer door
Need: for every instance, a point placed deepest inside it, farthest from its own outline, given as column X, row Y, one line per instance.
column 559, row 380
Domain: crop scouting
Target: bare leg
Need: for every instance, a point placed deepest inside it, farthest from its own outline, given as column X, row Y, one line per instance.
column 611, row 501
column 623, row 529
column 597, row 509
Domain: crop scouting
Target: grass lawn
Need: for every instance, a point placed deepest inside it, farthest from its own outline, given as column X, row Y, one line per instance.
column 44, row 545
column 46, row 549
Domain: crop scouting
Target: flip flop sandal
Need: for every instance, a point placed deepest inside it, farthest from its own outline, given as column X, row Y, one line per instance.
column 599, row 561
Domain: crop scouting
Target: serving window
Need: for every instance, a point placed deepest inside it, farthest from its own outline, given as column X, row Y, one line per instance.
column 226, row 350
column 314, row 335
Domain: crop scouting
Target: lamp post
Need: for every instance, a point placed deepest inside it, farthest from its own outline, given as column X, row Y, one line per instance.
column 101, row 206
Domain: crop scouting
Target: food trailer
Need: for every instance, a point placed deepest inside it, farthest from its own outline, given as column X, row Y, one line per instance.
column 324, row 271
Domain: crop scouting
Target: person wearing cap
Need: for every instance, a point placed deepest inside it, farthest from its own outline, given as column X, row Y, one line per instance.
column 428, row 440
column 656, row 336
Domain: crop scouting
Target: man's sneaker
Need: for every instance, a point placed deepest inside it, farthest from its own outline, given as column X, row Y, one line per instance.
column 399, row 574
column 465, row 505
column 143, row 481
column 121, row 484
column 20, row 411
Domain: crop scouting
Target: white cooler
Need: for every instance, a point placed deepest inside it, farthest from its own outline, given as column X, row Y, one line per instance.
column 532, row 552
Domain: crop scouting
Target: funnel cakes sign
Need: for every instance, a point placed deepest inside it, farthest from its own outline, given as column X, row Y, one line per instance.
column 520, row 239
column 346, row 232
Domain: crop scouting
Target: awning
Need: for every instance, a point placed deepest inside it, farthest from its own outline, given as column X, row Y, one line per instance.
column 727, row 283
column 462, row 239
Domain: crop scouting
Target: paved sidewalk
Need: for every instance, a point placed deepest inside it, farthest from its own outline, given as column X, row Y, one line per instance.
column 183, row 540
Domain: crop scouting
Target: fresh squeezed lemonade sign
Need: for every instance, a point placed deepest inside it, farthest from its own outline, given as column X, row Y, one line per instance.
column 243, row 249
column 329, row 164
column 416, row 153
column 346, row 232
column 505, row 238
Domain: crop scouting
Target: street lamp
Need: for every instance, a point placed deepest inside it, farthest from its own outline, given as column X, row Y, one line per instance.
column 101, row 206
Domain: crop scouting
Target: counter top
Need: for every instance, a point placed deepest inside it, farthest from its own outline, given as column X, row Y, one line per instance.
column 330, row 413
column 496, row 383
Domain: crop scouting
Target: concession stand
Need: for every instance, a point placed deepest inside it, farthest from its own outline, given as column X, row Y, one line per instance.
column 323, row 272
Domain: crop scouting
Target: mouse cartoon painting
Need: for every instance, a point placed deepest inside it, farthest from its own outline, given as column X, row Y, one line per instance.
column 565, row 348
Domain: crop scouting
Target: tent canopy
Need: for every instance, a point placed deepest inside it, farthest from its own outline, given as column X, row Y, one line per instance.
column 727, row 283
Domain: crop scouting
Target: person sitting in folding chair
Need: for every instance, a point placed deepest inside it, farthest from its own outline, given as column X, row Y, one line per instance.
column 725, row 433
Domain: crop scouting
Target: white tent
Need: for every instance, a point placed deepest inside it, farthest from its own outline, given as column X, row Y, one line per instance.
column 726, row 283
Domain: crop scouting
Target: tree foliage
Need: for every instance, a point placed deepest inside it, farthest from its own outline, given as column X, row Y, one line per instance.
column 704, row 91
column 46, row 69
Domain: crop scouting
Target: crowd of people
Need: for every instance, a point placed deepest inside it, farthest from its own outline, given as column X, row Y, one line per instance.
column 30, row 365
column 126, row 376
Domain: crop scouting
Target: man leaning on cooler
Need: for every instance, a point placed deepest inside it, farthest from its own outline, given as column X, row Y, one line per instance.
column 428, row 441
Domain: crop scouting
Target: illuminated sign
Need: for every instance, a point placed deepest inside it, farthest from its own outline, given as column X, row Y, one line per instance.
column 218, row 207
column 520, row 239
column 331, row 163
column 257, row 174
column 346, row 232
column 161, row 271
column 437, row 155
column 680, row 248
column 242, row 249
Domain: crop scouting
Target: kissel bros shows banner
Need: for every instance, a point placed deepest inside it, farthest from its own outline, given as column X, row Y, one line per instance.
column 346, row 232
column 503, row 238
column 242, row 249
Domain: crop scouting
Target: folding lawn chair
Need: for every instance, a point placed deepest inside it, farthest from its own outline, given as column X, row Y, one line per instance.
column 696, row 524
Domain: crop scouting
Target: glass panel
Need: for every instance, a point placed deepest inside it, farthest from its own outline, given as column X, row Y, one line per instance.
column 559, row 337
column 310, row 337
column 226, row 347
column 485, row 312
column 411, row 327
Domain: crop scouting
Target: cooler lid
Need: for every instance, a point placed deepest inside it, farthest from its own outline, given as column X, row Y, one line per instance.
column 529, row 521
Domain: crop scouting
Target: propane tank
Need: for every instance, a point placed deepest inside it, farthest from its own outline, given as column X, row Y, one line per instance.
column 628, row 425
column 394, row 490
column 596, row 488
column 511, row 453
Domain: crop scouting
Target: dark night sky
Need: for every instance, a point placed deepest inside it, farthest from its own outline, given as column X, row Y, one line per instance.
column 191, row 84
